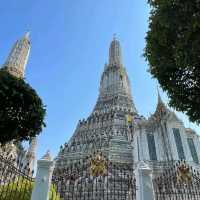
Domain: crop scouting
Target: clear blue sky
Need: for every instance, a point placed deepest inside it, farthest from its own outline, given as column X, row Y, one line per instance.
column 70, row 41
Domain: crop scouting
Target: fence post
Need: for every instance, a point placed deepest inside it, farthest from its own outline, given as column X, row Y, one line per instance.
column 43, row 178
column 144, row 183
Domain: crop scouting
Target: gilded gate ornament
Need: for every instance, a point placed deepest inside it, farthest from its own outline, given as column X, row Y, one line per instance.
column 183, row 174
column 98, row 165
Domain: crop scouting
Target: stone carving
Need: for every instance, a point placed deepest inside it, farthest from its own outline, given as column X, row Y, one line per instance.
column 98, row 165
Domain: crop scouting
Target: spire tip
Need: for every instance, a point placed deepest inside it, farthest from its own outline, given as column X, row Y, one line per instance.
column 27, row 34
column 115, row 54
column 114, row 36
column 158, row 93
column 160, row 101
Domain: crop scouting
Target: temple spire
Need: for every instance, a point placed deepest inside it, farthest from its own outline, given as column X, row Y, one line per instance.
column 115, row 87
column 115, row 53
column 160, row 103
column 27, row 35
column 159, row 97
column 18, row 57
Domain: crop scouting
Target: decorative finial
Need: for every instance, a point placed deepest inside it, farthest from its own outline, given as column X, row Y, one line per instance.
column 114, row 36
column 159, row 97
column 160, row 102
column 27, row 35
column 115, row 54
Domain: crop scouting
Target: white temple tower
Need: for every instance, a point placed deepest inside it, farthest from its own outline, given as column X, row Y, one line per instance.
column 18, row 57
column 16, row 64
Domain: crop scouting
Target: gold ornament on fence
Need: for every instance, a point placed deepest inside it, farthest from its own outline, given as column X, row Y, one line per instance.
column 98, row 165
column 183, row 174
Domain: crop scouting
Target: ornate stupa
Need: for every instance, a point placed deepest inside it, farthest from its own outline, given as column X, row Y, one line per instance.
column 107, row 128
column 15, row 64
column 107, row 133
column 99, row 160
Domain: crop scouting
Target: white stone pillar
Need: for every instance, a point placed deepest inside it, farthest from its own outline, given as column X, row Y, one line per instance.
column 43, row 178
column 144, row 183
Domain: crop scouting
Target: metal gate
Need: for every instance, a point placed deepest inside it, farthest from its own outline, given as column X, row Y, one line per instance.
column 16, row 180
column 178, row 182
column 95, row 179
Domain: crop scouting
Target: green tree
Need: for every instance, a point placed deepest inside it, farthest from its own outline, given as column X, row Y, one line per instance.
column 22, row 190
column 21, row 109
column 173, row 52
